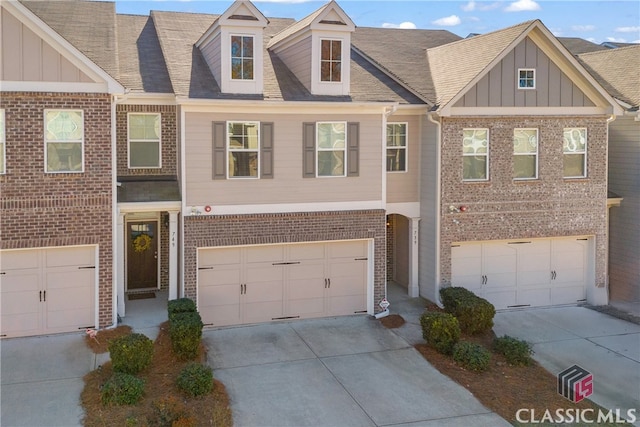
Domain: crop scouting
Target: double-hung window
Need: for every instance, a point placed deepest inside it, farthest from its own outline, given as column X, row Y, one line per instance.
column 2, row 143
column 526, row 78
column 475, row 154
column 525, row 154
column 574, row 150
column 242, row 58
column 64, row 141
column 243, row 144
column 331, row 60
column 396, row 147
column 331, row 148
column 144, row 137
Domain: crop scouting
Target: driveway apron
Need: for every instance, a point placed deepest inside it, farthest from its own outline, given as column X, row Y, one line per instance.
column 346, row 371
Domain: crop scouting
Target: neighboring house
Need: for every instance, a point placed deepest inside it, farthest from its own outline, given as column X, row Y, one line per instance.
column 617, row 71
column 273, row 169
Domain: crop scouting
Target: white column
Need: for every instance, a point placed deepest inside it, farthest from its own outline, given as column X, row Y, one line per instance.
column 173, row 255
column 119, row 260
column 414, row 232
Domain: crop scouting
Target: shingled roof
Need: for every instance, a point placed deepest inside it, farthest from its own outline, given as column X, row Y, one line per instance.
column 617, row 71
column 576, row 45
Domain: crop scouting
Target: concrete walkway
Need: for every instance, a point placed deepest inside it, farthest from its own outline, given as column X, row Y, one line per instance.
column 607, row 347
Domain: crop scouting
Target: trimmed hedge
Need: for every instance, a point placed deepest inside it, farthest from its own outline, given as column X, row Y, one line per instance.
column 475, row 314
column 440, row 330
column 195, row 379
column 122, row 389
column 131, row 353
column 185, row 330
column 517, row 352
column 181, row 305
column 472, row 356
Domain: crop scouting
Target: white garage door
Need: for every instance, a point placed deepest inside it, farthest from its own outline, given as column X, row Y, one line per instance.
column 272, row 282
column 529, row 272
column 47, row 290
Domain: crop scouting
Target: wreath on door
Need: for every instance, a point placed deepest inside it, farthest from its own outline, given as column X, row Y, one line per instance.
column 142, row 243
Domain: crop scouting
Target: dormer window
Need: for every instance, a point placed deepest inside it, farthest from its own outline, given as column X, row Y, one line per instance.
column 331, row 61
column 242, row 59
column 526, row 78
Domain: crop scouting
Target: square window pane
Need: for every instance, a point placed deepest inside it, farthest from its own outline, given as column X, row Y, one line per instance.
column 64, row 157
column 336, row 50
column 325, row 71
column 574, row 140
column 325, row 50
column 144, row 154
column 525, row 141
column 475, row 141
column 236, row 46
column 64, row 126
column 236, row 68
column 331, row 163
column 524, row 167
column 144, row 126
column 247, row 47
column 243, row 164
column 396, row 160
column 247, row 69
column 474, row 167
column 336, row 68
column 574, row 165
column 331, row 135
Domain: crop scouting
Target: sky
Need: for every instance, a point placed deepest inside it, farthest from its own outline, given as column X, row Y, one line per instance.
column 596, row 21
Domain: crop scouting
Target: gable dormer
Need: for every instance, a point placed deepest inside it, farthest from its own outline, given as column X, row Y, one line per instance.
column 233, row 48
column 317, row 49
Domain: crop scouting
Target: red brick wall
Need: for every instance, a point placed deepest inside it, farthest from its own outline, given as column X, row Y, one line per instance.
column 39, row 209
column 502, row 208
column 230, row 230
column 168, row 139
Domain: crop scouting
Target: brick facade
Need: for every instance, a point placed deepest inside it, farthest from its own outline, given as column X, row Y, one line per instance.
column 168, row 139
column 39, row 209
column 501, row 208
column 231, row 230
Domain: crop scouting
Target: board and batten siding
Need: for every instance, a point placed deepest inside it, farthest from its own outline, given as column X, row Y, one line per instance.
column 498, row 88
column 403, row 187
column 288, row 184
column 624, row 233
column 212, row 55
column 26, row 57
column 297, row 58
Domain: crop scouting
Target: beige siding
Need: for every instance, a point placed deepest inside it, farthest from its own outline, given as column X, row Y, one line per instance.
column 404, row 186
column 298, row 59
column 211, row 53
column 287, row 186
column 498, row 87
column 429, row 211
column 26, row 57
column 624, row 237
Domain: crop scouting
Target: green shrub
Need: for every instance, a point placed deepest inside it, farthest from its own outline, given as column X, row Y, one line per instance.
column 517, row 352
column 185, row 330
column 440, row 330
column 122, row 389
column 195, row 379
column 472, row 356
column 475, row 314
column 131, row 353
column 180, row 305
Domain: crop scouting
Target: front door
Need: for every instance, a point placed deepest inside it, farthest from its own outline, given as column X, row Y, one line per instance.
column 142, row 255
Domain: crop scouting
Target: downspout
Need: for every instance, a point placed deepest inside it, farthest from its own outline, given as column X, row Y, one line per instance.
column 430, row 116
column 610, row 120
column 114, row 220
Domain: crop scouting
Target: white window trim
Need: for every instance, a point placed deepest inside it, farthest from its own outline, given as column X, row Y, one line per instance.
column 406, row 147
column 586, row 150
column 144, row 140
column 344, row 149
column 486, row 172
column 518, row 78
column 229, row 150
column 331, row 82
column 3, row 142
column 529, row 154
column 253, row 37
column 46, row 142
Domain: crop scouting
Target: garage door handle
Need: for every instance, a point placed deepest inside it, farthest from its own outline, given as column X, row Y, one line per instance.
column 89, row 267
column 44, row 293
column 40, row 296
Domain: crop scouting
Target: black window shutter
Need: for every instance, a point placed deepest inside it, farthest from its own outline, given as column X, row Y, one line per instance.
column 219, row 150
column 353, row 149
column 308, row 150
column 266, row 150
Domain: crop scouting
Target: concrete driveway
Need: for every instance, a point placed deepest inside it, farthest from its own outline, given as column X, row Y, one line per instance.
column 347, row 371
column 607, row 347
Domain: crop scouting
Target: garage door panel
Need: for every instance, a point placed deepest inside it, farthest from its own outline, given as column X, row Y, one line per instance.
column 20, row 325
column 533, row 278
column 567, row 295
column 264, row 311
column 20, row 281
column 70, row 319
column 265, row 254
column 19, row 260
column 264, row 291
column 347, row 304
column 66, row 257
column 310, row 251
column 213, row 296
column 500, row 299
column 534, row 297
column 66, row 277
column 306, row 307
column 267, row 273
column 220, row 315
column 220, row 257
column 219, row 277
column 356, row 249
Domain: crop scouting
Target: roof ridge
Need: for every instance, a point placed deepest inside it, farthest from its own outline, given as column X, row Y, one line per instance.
column 609, row 50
